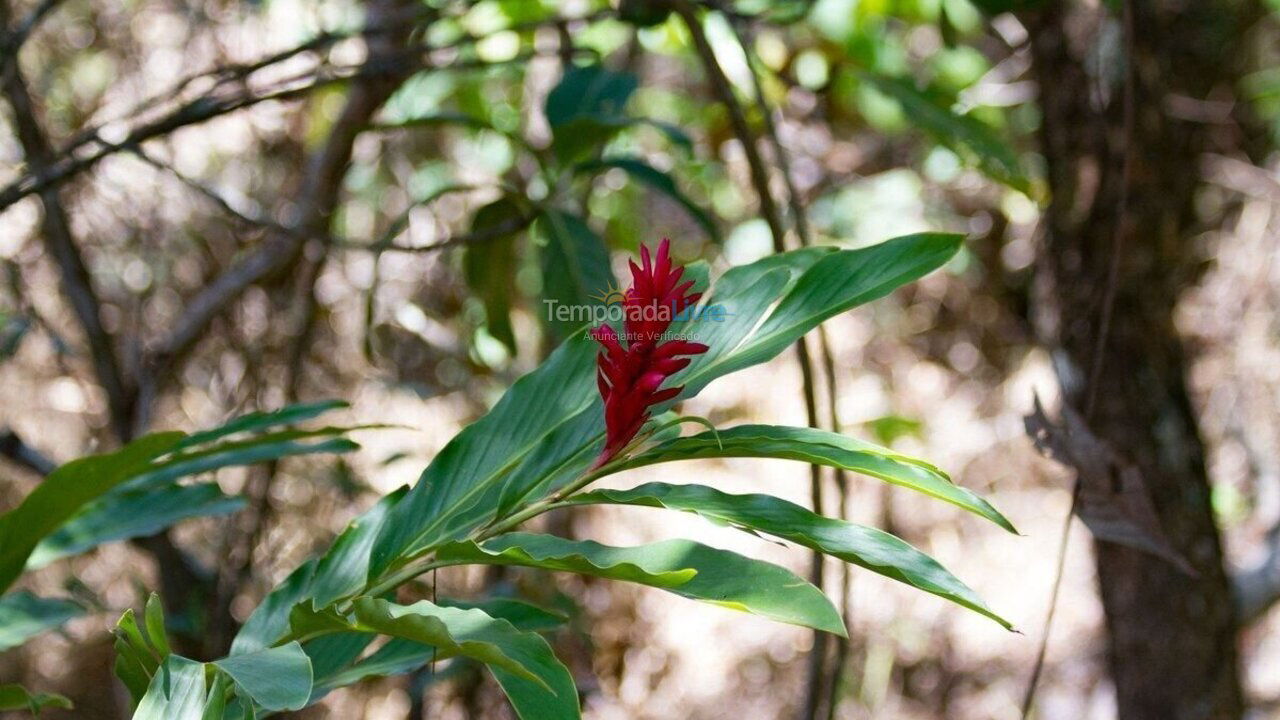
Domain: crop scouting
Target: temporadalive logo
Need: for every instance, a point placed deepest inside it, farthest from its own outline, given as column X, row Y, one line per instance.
column 611, row 306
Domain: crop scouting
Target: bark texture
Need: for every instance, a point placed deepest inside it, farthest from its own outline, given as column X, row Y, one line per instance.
column 1171, row 638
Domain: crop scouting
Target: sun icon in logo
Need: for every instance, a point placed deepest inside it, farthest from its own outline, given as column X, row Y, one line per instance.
column 611, row 295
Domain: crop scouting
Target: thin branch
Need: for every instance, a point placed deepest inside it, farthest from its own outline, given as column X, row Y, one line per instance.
column 20, row 453
column 773, row 218
column 484, row 234
column 11, row 41
column 231, row 93
column 77, row 285
column 1104, row 332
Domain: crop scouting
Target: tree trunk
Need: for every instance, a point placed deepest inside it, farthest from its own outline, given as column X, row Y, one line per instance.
column 1128, row 231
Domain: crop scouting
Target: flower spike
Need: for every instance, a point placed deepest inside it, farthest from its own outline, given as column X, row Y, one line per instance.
column 631, row 368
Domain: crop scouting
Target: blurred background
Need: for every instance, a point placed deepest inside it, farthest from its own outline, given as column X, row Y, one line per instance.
column 214, row 206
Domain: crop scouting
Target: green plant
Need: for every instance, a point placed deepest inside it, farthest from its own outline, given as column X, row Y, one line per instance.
column 539, row 449
column 132, row 492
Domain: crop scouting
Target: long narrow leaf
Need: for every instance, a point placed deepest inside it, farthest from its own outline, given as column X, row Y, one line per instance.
column 866, row 547
column 23, row 615
column 65, row 491
column 553, row 415
column 823, row 448
column 683, row 567
column 119, row 516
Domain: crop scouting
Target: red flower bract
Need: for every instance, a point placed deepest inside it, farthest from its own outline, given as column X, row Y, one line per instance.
column 632, row 368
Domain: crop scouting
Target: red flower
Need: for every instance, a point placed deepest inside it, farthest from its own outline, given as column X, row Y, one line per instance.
column 632, row 368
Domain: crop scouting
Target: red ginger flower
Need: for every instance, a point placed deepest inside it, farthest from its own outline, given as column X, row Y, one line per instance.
column 631, row 369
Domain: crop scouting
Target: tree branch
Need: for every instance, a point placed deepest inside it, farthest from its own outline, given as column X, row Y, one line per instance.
column 61, row 245
column 20, row 453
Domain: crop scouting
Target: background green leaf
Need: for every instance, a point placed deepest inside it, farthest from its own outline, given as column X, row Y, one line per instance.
column 23, row 615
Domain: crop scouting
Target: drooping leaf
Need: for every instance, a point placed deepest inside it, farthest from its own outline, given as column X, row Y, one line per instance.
column 259, row 448
column 401, row 656
column 589, row 90
column 151, row 461
column 822, row 448
column 575, row 268
column 683, row 567
column 16, row 697
column 490, row 267
column 277, row 678
column 970, row 138
column 865, row 547
column 65, row 491
column 176, row 692
column 137, row 513
column 23, row 615
column 643, row 172
column 538, row 684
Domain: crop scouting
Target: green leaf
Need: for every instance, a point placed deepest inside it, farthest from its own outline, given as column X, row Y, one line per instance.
column 270, row 620
column 23, row 615
column 585, row 109
column 259, row 421
column 277, row 678
column 865, row 547
column 460, row 490
column 176, row 692
column 547, row 428
column 819, row 447
column 16, row 697
column 643, row 172
column 153, row 616
column 215, row 707
column 65, row 491
column 523, row 615
column 343, row 570
column 136, row 513
column 258, row 448
column 971, row 139
column 683, row 567
column 73, row 486
column 590, row 90
column 136, row 662
column 538, row 685
column 828, row 284
column 490, row 268
column 401, row 655
column 575, row 268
